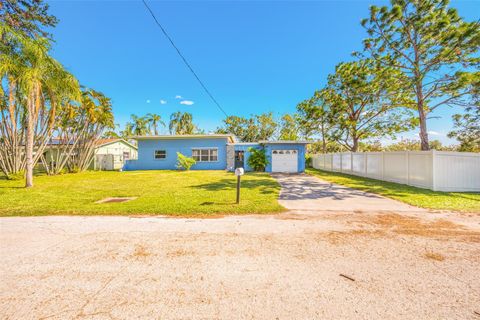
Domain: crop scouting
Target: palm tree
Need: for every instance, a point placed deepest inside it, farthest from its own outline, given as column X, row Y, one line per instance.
column 139, row 125
column 128, row 131
column 44, row 84
column 153, row 121
column 181, row 123
column 96, row 116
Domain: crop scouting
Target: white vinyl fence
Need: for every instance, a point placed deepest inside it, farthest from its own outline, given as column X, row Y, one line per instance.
column 435, row 170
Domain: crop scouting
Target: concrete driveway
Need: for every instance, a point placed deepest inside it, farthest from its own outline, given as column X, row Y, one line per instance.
column 304, row 192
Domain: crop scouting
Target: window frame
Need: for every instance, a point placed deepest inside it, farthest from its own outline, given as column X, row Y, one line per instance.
column 209, row 149
column 155, row 155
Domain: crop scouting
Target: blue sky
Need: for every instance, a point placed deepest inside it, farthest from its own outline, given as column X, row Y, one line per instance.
column 254, row 56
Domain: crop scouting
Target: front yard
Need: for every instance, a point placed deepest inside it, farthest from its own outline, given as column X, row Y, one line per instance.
column 191, row 193
column 457, row 201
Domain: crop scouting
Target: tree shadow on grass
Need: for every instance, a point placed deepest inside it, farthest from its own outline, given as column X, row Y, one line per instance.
column 264, row 186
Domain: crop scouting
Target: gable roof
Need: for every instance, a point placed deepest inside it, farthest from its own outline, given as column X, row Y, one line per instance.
column 229, row 137
column 105, row 142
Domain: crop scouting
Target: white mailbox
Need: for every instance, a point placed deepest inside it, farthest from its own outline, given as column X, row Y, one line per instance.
column 239, row 172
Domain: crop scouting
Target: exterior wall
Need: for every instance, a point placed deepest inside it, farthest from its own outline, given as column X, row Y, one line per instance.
column 230, row 157
column 435, row 170
column 268, row 149
column 147, row 147
column 115, row 149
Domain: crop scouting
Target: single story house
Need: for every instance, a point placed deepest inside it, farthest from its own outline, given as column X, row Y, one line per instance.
column 215, row 152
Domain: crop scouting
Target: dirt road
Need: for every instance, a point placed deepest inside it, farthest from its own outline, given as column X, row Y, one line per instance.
column 251, row 267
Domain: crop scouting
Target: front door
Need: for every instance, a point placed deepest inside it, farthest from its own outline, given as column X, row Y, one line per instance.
column 239, row 159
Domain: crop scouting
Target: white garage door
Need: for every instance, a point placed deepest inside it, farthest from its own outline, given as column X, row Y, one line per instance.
column 284, row 161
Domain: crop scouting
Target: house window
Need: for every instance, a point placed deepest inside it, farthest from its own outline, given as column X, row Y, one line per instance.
column 160, row 154
column 126, row 155
column 205, row 155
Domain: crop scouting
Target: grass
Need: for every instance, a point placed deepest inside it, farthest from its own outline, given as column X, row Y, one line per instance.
column 189, row 193
column 456, row 201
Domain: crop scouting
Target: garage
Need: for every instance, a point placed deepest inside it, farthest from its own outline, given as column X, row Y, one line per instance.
column 284, row 160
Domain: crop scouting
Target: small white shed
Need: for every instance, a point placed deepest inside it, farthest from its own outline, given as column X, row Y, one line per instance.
column 110, row 154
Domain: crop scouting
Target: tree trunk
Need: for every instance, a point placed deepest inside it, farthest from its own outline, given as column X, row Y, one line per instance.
column 425, row 146
column 29, row 143
column 420, row 104
column 355, row 145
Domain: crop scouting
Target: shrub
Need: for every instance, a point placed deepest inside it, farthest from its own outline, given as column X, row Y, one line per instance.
column 184, row 162
column 308, row 160
column 258, row 159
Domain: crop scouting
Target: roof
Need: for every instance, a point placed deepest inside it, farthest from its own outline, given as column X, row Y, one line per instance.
column 244, row 143
column 104, row 142
column 230, row 137
column 57, row 141
column 101, row 142
column 270, row 142
column 283, row 142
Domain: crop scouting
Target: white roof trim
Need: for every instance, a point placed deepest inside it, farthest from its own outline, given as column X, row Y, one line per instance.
column 187, row 136
column 243, row 143
column 284, row 142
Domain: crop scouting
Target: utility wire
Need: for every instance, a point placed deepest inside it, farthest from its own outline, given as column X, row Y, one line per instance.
column 183, row 58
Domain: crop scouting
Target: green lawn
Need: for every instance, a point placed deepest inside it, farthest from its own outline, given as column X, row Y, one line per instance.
column 190, row 193
column 458, row 201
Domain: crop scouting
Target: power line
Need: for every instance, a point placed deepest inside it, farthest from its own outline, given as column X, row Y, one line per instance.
column 183, row 58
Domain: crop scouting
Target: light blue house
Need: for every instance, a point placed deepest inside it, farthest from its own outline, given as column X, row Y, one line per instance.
column 215, row 152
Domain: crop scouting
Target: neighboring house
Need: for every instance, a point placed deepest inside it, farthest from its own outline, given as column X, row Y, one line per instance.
column 215, row 152
column 111, row 154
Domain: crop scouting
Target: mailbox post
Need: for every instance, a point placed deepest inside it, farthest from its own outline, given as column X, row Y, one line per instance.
column 238, row 172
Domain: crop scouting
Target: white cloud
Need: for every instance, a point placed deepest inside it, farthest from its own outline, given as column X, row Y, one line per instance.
column 434, row 133
column 148, row 101
column 178, row 97
column 163, row 101
column 187, row 102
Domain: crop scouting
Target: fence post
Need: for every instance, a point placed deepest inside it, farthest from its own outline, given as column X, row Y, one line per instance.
column 407, row 155
column 351, row 162
column 341, row 161
column 366, row 163
column 434, row 182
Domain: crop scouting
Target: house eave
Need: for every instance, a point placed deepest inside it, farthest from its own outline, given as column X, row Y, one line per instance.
column 283, row 142
column 119, row 140
column 229, row 137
